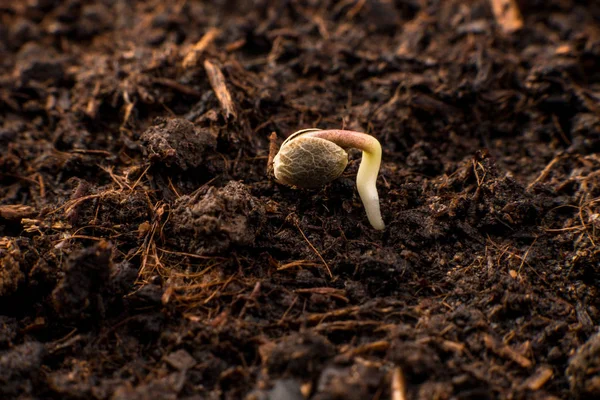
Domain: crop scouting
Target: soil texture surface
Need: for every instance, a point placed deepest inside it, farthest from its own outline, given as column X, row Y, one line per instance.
column 147, row 253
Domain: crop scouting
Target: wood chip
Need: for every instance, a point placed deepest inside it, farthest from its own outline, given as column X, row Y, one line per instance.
column 507, row 15
column 233, row 46
column 398, row 385
column 452, row 346
column 217, row 81
column 273, row 149
column 539, row 378
column 563, row 50
column 191, row 58
column 16, row 211
column 505, row 351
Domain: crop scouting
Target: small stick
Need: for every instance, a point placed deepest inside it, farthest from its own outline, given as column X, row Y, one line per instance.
column 398, row 385
column 16, row 211
column 314, row 249
column 526, row 254
column 272, row 152
column 506, row 351
column 507, row 15
column 42, row 186
column 217, row 81
column 191, row 58
column 545, row 172
column 539, row 378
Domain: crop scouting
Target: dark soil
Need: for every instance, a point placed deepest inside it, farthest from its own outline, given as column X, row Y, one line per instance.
column 146, row 253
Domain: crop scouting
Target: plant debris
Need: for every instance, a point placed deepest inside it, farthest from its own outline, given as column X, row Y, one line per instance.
column 145, row 252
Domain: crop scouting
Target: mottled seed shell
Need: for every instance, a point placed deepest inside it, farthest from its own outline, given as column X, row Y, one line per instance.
column 309, row 162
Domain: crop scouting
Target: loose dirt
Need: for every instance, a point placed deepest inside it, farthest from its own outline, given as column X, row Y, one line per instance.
column 146, row 253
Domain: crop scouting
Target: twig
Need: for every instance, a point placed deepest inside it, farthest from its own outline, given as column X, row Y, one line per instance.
column 580, row 213
column 314, row 249
column 191, row 58
column 298, row 263
column 42, row 186
column 16, row 211
column 377, row 346
column 326, row 291
column 505, row 351
column 272, row 152
column 217, row 81
column 179, row 253
column 526, row 254
column 91, row 152
column 287, row 311
column 356, row 9
column 72, row 203
column 140, row 178
column 539, row 378
column 545, row 172
column 398, row 385
column 172, row 187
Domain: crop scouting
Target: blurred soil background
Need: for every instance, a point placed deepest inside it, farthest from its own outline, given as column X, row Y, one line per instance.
column 145, row 253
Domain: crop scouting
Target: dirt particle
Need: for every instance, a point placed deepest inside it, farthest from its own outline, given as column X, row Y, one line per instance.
column 37, row 63
column 177, row 142
column 356, row 382
column 8, row 330
column 216, row 219
column 180, row 360
column 583, row 371
column 489, row 184
column 285, row 389
column 424, row 158
column 296, row 354
column 21, row 368
column 122, row 277
column 416, row 361
column 86, row 274
column 162, row 388
column 146, row 295
column 382, row 263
